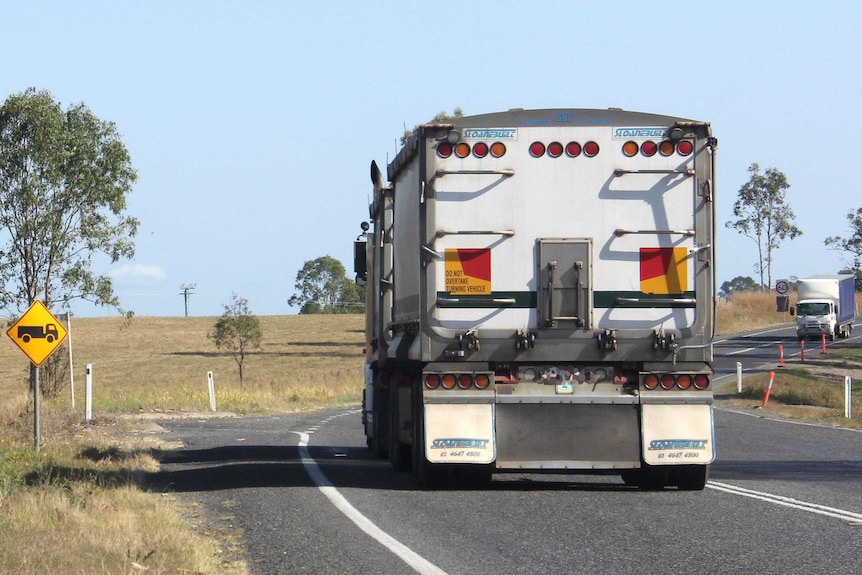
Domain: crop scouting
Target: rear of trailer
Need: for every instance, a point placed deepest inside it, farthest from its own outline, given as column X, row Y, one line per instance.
column 540, row 298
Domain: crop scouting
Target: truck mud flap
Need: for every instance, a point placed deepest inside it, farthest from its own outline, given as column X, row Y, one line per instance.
column 677, row 434
column 459, row 433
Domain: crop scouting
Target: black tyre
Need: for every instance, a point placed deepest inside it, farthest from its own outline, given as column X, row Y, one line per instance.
column 647, row 478
column 691, row 477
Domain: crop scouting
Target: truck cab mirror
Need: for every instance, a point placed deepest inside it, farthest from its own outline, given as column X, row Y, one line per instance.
column 360, row 266
column 792, row 310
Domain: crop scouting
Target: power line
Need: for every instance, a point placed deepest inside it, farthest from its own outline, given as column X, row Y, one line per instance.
column 187, row 290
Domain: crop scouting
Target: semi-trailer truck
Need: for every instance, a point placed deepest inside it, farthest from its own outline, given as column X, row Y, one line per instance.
column 540, row 298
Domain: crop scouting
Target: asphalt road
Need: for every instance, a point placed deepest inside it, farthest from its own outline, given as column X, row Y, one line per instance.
column 783, row 498
column 761, row 350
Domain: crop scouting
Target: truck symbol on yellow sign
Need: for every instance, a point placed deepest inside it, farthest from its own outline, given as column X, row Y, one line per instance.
column 27, row 332
column 37, row 333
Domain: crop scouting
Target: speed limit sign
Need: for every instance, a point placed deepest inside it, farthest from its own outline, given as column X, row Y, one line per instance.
column 782, row 287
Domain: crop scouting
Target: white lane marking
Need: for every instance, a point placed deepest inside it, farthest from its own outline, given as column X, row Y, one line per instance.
column 758, row 415
column 413, row 559
column 746, row 350
column 842, row 514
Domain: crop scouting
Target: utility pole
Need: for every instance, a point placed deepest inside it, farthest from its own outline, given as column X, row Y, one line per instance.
column 187, row 290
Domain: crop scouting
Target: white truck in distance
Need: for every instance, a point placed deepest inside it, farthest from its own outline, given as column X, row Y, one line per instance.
column 825, row 305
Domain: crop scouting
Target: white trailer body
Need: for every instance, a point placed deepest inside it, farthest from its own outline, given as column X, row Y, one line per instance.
column 541, row 297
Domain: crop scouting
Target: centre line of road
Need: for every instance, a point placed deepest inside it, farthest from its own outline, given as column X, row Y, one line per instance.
column 842, row 514
column 413, row 559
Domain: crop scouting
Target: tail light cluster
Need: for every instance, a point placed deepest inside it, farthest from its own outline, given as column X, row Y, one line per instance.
column 665, row 148
column 478, row 150
column 457, row 380
column 571, row 150
column 682, row 381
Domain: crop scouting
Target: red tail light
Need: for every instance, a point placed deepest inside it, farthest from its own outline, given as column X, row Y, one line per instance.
column 555, row 149
column 537, row 149
column 573, row 149
column 432, row 381
column 444, row 149
column 701, row 381
column 591, row 149
column 465, row 381
column 649, row 148
column 685, row 148
column 480, row 149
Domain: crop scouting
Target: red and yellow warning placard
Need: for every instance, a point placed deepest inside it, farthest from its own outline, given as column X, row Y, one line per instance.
column 468, row 271
column 664, row 270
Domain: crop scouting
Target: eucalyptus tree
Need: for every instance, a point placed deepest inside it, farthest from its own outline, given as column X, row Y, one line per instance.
column 323, row 287
column 763, row 215
column 64, row 180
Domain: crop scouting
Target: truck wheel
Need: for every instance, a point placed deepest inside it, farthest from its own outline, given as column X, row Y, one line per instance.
column 25, row 338
column 399, row 454
column 690, row 477
column 647, row 478
column 427, row 474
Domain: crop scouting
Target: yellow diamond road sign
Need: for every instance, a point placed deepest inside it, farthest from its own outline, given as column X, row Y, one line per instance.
column 38, row 333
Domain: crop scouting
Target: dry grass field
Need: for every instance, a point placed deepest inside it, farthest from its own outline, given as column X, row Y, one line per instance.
column 84, row 487
column 161, row 364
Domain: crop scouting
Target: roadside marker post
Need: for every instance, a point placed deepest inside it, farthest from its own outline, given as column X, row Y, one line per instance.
column 802, row 353
column 848, row 384
column 739, row 377
column 780, row 356
column 823, row 346
column 88, row 392
column 768, row 388
column 211, row 385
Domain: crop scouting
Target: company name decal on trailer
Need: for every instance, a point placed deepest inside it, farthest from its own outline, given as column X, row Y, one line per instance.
column 664, row 270
column 459, row 442
column 621, row 133
column 468, row 271
column 670, row 444
column 490, row 133
column 460, row 449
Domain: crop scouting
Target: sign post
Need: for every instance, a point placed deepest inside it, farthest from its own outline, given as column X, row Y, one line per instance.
column 782, row 301
column 38, row 334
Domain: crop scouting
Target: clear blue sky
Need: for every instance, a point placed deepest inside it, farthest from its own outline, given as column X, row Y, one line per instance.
column 252, row 124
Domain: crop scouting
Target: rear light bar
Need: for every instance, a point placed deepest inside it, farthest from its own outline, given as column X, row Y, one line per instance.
column 682, row 381
column 556, row 149
column 537, row 149
column 572, row 149
column 665, row 148
column 457, row 380
column 478, row 150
